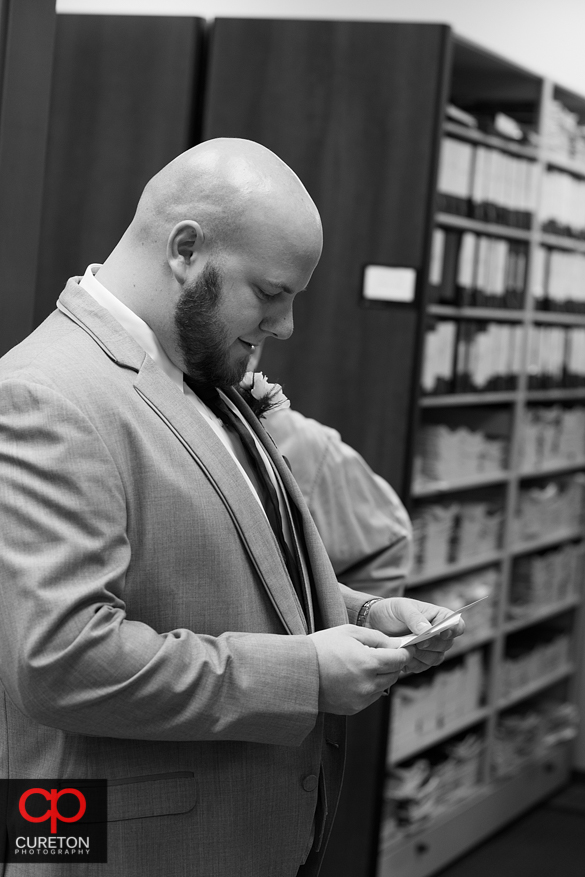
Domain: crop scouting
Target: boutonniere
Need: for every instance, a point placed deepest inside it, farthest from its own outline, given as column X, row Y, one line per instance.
column 261, row 395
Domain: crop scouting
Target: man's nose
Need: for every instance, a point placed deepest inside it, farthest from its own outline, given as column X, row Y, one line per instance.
column 279, row 322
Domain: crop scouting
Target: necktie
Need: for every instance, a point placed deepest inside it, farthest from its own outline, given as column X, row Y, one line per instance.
column 268, row 495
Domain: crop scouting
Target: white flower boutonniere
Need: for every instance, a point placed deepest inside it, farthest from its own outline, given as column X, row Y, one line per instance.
column 261, row 395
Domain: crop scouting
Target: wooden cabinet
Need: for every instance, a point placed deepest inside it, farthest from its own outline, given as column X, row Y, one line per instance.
column 27, row 30
column 124, row 102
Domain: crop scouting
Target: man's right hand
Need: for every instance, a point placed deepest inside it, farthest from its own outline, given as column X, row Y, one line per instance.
column 356, row 666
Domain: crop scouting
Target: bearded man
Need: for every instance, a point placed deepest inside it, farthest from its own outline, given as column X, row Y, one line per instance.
column 169, row 619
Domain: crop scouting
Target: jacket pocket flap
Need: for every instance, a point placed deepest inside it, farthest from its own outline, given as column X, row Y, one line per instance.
column 155, row 795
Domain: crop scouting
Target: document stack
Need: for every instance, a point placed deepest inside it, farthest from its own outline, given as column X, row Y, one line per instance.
column 548, row 508
column 552, row 435
column 563, row 204
column 469, row 269
column 545, row 579
column 417, row 792
column 563, row 134
column 485, row 183
column 488, row 356
column 473, row 356
column 558, row 280
column 451, row 532
column 526, row 734
column 452, row 454
column 439, row 357
column 423, row 707
column 527, row 661
column 547, row 356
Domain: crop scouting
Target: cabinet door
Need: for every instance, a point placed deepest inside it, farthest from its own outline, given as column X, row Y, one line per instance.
column 27, row 31
column 123, row 104
column 355, row 108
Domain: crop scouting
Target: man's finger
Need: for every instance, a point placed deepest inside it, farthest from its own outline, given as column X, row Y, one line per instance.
column 391, row 660
column 375, row 639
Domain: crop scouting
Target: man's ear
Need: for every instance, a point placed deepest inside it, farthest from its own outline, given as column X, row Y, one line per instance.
column 183, row 247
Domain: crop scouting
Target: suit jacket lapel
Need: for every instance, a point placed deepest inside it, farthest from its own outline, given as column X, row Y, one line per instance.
column 205, row 448
column 331, row 603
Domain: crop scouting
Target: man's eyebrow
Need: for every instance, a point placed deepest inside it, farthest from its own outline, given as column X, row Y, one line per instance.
column 282, row 287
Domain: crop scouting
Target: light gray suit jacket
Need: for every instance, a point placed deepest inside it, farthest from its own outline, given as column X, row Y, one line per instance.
column 149, row 632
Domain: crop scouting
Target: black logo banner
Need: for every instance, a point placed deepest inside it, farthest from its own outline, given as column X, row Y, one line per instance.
column 57, row 820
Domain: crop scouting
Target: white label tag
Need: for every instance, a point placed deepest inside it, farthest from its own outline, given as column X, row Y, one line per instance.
column 382, row 283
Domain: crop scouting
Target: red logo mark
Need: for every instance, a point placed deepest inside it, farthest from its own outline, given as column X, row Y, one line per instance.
column 53, row 811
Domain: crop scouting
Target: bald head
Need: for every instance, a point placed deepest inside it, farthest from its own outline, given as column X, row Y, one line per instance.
column 224, row 184
column 227, row 206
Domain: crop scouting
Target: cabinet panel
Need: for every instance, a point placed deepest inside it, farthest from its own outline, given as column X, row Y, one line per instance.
column 123, row 103
column 27, row 30
column 335, row 101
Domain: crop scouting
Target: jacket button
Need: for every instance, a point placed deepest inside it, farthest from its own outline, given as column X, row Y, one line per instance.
column 310, row 783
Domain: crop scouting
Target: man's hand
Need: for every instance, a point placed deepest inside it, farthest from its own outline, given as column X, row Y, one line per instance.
column 356, row 666
column 400, row 615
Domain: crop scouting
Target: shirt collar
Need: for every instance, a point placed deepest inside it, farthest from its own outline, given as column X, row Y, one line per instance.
column 131, row 322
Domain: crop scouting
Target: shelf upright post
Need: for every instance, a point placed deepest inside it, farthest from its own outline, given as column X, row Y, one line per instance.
column 515, row 461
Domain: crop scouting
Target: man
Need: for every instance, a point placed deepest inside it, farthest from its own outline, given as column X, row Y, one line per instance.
column 362, row 522
column 160, row 626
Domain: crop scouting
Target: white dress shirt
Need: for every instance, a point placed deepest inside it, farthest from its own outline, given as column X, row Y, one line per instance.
column 145, row 337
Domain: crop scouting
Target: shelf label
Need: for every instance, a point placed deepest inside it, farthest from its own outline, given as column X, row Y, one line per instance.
column 382, row 283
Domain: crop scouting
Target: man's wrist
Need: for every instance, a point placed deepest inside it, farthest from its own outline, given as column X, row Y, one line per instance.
column 362, row 617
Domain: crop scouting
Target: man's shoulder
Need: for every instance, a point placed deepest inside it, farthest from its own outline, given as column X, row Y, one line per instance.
column 60, row 355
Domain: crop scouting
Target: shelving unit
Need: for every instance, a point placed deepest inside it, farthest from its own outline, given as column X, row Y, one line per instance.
column 419, row 851
column 331, row 99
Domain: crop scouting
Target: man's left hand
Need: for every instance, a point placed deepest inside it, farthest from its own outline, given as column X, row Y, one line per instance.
column 398, row 616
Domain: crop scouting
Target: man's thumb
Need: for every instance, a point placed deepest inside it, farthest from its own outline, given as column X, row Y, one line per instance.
column 416, row 621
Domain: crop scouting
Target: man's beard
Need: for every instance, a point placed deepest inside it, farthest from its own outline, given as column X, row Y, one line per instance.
column 202, row 337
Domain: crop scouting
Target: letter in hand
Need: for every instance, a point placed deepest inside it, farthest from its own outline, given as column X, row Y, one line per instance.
column 356, row 666
column 397, row 616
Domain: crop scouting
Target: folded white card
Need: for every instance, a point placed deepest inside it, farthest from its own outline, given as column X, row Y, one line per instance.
column 450, row 621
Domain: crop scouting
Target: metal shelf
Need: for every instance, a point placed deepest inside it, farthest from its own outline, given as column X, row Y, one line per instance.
column 542, row 614
column 506, row 315
column 434, row 488
column 417, row 745
column 493, row 229
column 455, row 569
column 448, row 400
column 557, row 469
column 561, row 242
column 560, row 163
column 558, row 395
column 473, row 135
column 557, row 318
column 535, row 687
column 549, row 542
column 510, row 315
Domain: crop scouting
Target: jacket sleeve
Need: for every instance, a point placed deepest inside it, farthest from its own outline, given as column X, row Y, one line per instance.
column 69, row 656
column 362, row 522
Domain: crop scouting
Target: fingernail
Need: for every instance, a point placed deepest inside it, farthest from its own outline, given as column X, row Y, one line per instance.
column 447, row 634
column 421, row 626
